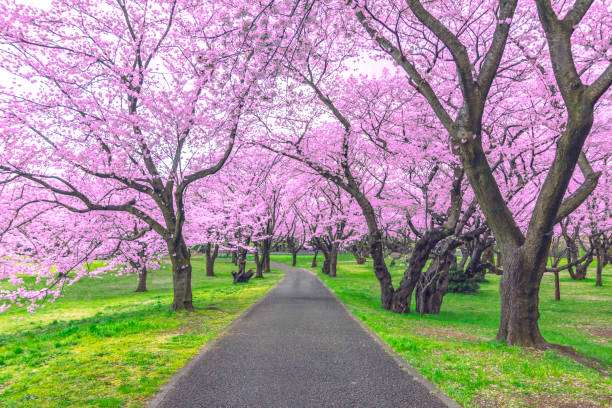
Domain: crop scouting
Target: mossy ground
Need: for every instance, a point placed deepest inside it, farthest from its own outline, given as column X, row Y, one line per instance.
column 456, row 350
column 102, row 345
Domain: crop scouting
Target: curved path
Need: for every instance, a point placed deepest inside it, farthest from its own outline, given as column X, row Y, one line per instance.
column 297, row 347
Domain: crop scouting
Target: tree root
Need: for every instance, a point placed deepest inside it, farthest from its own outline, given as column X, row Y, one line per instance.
column 590, row 362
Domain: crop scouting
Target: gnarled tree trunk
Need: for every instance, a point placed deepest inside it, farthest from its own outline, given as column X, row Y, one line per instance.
column 211, row 256
column 142, row 280
column 326, row 263
column 241, row 258
column 181, row 274
column 313, row 264
column 258, row 265
column 333, row 260
column 519, row 291
column 433, row 284
column 265, row 254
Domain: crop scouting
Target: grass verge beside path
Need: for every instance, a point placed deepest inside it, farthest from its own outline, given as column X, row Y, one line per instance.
column 102, row 345
column 456, row 351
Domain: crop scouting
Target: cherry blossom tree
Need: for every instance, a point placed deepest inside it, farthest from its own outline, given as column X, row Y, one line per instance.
column 128, row 104
column 474, row 48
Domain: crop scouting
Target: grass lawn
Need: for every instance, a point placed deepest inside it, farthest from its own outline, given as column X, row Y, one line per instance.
column 102, row 345
column 456, row 351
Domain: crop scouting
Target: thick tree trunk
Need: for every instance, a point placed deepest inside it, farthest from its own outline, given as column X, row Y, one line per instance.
column 326, row 263
column 259, row 266
column 387, row 293
column 211, row 256
column 333, row 260
column 433, row 284
column 181, row 275
column 142, row 280
column 241, row 258
column 314, row 259
column 519, row 291
column 418, row 258
column 430, row 291
column 242, row 277
column 557, row 287
column 267, row 245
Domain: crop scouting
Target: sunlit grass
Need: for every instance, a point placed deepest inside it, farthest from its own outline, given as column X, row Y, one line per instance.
column 456, row 350
column 102, row 345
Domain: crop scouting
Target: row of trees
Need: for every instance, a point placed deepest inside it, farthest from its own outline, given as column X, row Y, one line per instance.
column 134, row 130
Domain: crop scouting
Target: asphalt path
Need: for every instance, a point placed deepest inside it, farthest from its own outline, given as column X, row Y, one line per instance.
column 297, row 347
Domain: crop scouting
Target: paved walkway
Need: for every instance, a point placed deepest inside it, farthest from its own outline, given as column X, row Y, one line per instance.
column 298, row 347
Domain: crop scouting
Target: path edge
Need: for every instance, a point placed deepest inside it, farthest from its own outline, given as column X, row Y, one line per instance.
column 182, row 372
column 418, row 377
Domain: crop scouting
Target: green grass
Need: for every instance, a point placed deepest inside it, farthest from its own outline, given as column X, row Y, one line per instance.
column 102, row 345
column 456, row 350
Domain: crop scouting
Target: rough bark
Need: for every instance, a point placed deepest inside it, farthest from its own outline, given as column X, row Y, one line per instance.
column 241, row 260
column 211, row 256
column 433, row 284
column 313, row 264
column 360, row 259
column 142, row 280
column 180, row 258
column 359, row 251
column 326, row 263
column 333, row 260
column 242, row 277
column 519, row 290
column 265, row 254
column 258, row 265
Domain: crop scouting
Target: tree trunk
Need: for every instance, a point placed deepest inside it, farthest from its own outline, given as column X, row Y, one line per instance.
column 326, row 263
column 142, row 280
column 418, row 258
column 474, row 266
column 519, row 289
column 241, row 258
column 211, row 256
column 430, row 291
column 181, row 275
column 360, row 259
column 314, row 259
column 242, row 277
column 234, row 258
column 387, row 293
column 333, row 260
column 465, row 255
column 557, row 287
column 267, row 245
column 294, row 258
column 259, row 266
column 433, row 284
column 601, row 262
